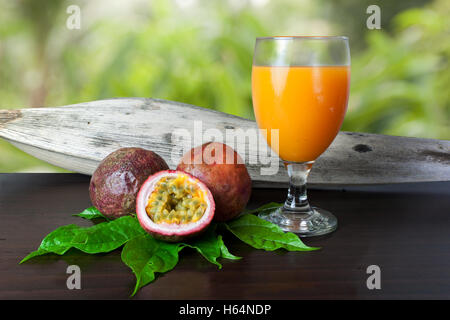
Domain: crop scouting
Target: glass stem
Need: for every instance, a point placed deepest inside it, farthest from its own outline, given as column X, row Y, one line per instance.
column 297, row 199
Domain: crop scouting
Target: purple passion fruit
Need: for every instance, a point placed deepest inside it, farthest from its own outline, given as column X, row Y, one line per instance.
column 118, row 178
column 173, row 205
column 224, row 173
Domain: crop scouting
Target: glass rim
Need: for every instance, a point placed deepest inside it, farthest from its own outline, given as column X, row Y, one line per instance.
column 303, row 37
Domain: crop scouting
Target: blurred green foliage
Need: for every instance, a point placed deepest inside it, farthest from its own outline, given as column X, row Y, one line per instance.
column 200, row 52
column 401, row 83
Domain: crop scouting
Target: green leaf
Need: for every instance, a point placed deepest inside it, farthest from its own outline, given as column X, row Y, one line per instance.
column 267, row 207
column 208, row 245
column 103, row 237
column 262, row 234
column 38, row 252
column 224, row 251
column 146, row 256
column 91, row 213
column 211, row 246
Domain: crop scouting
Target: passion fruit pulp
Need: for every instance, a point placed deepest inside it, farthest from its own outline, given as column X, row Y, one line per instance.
column 118, row 178
column 173, row 205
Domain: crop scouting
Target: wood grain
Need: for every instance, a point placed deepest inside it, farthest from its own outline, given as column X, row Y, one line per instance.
column 401, row 228
column 77, row 137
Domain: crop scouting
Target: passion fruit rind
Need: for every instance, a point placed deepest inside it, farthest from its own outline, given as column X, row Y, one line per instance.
column 118, row 178
column 173, row 206
column 229, row 182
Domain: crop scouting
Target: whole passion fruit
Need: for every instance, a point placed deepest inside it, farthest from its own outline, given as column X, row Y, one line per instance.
column 224, row 173
column 173, row 205
column 118, row 178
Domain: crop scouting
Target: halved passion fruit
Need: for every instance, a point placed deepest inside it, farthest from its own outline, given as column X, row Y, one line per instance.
column 173, row 205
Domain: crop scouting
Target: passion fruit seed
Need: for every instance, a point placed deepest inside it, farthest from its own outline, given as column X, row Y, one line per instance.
column 176, row 200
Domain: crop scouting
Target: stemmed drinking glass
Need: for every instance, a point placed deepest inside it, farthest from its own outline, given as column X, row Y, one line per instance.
column 300, row 87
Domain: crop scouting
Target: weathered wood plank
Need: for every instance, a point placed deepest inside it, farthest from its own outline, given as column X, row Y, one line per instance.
column 77, row 137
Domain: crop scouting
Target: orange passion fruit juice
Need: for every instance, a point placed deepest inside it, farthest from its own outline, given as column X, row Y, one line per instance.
column 307, row 105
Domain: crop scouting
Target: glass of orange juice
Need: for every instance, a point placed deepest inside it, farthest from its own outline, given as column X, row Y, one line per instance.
column 300, row 87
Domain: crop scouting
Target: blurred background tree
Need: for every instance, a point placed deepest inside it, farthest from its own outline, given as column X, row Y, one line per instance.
column 200, row 52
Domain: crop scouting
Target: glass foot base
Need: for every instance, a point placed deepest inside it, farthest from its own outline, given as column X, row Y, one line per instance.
column 315, row 223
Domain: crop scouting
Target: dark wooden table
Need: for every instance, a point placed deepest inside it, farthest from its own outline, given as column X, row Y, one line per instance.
column 404, row 229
